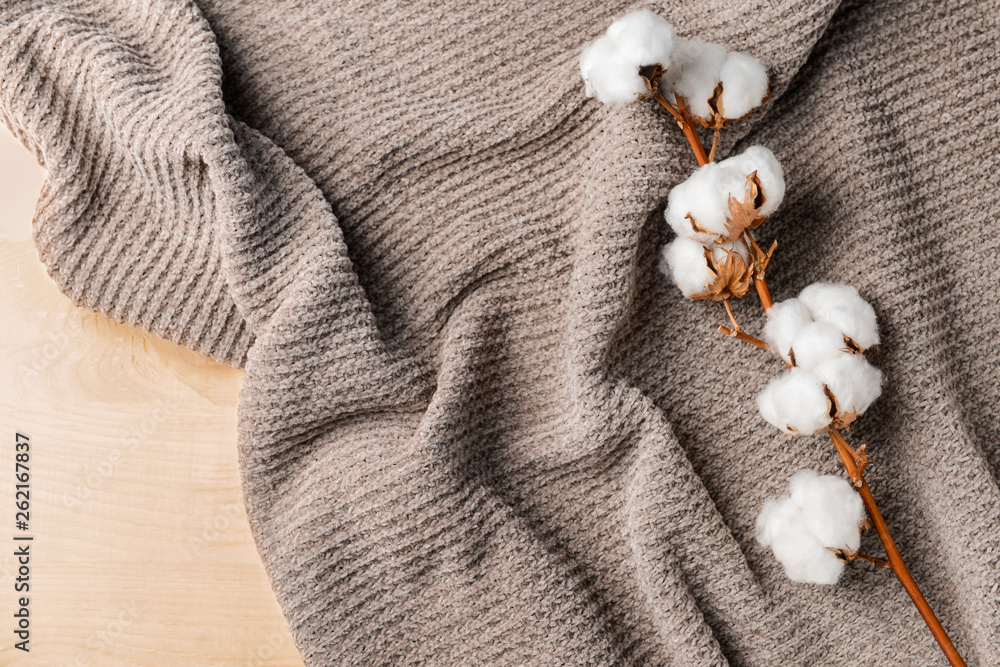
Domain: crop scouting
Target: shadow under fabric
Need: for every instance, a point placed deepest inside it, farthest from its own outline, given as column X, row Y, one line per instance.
column 477, row 427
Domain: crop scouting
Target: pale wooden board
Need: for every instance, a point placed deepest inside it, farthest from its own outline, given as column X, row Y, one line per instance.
column 142, row 554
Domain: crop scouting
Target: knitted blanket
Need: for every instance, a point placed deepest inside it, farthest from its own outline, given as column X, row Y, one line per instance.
column 477, row 425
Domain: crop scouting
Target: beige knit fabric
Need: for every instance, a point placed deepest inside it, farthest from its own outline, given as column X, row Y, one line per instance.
column 477, row 426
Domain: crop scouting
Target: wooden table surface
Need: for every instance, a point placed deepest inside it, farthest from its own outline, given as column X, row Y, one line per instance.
column 141, row 551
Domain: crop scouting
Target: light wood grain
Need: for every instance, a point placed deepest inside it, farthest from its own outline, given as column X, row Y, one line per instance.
column 142, row 554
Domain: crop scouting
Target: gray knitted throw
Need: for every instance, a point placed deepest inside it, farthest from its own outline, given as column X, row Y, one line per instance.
column 477, row 426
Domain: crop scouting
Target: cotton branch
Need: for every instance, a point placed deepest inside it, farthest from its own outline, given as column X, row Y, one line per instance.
column 820, row 336
column 849, row 458
column 854, row 460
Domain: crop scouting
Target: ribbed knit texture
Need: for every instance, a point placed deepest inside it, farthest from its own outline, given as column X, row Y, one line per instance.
column 477, row 427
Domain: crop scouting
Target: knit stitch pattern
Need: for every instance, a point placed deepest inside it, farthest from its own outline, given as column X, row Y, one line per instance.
column 477, row 426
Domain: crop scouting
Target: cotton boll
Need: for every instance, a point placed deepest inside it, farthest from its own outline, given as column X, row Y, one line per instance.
column 643, row 38
column 769, row 173
column 610, row 64
column 843, row 307
column 820, row 513
column 699, row 207
column 744, row 85
column 807, row 561
column 698, row 196
column 719, row 250
column 733, row 174
column 704, row 197
column 854, row 382
column 684, row 259
column 608, row 76
column 795, row 403
column 804, row 558
column 784, row 320
column 832, row 509
column 817, row 342
column 731, row 181
column 694, row 74
column 772, row 518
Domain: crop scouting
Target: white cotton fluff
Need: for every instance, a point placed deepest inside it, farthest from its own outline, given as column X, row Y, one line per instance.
column 684, row 259
column 694, row 74
column 721, row 250
column 784, row 320
column 705, row 197
column 817, row 342
column 644, row 37
column 854, row 382
column 769, row 172
column 744, row 85
column 841, row 306
column 795, row 403
column 608, row 76
column 610, row 64
column 699, row 67
column 781, row 527
column 705, row 194
column 820, row 512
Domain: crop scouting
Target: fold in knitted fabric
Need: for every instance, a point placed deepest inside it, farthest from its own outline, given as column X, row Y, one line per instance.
column 477, row 427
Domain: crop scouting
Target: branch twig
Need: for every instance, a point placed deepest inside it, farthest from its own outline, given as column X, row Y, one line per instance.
column 875, row 561
column 684, row 120
column 732, row 318
column 715, row 144
column 854, row 460
column 848, row 456
column 763, row 292
column 744, row 336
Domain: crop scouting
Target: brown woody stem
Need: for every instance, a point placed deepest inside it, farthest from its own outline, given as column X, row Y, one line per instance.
column 875, row 561
column 684, row 120
column 759, row 283
column 763, row 292
column 848, row 456
column 732, row 318
column 715, row 144
column 668, row 106
column 745, row 337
